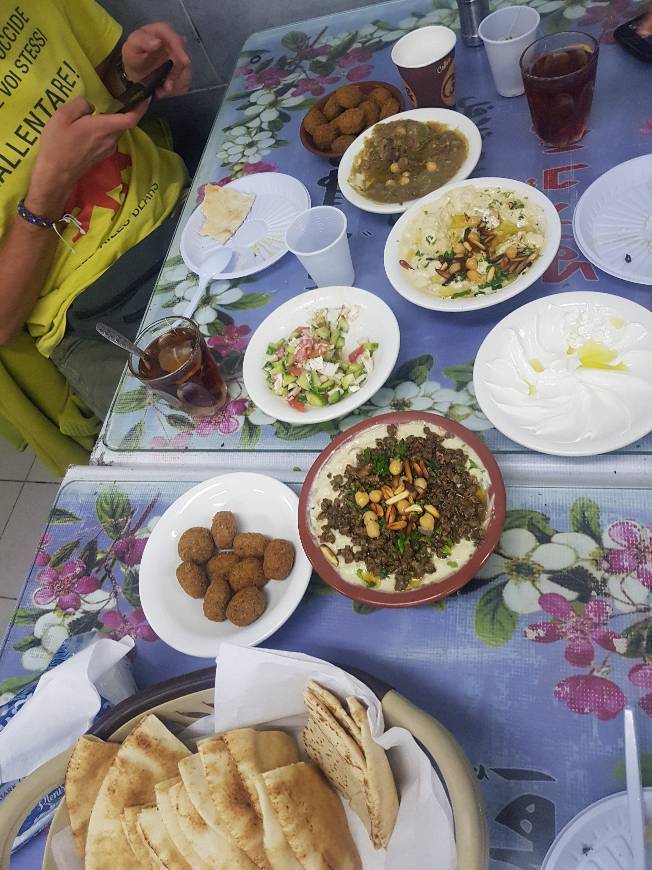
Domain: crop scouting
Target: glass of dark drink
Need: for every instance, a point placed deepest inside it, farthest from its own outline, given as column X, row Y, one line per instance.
column 180, row 366
column 559, row 78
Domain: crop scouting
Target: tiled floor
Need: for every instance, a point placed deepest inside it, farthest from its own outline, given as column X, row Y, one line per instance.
column 27, row 490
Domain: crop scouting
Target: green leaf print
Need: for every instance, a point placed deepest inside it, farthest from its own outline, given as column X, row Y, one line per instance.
column 646, row 770
column 61, row 517
column 322, row 67
column 342, row 47
column 83, row 623
column 26, row 643
column 295, row 40
column 576, row 579
column 133, row 437
column 178, row 421
column 288, row 432
column 585, row 518
column 419, row 367
column 460, row 375
column 130, row 588
column 63, row 554
column 363, row 609
column 533, row 521
column 15, row 684
column 383, row 25
column 495, row 623
column 27, row 615
column 132, row 400
column 89, row 555
column 250, row 434
column 639, row 640
column 248, row 301
column 113, row 510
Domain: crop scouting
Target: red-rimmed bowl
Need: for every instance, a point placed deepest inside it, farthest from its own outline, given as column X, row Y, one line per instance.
column 431, row 591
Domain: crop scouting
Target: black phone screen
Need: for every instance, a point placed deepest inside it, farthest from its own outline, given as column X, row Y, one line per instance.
column 146, row 89
column 628, row 36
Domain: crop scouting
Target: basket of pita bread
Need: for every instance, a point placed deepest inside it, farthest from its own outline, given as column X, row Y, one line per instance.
column 298, row 765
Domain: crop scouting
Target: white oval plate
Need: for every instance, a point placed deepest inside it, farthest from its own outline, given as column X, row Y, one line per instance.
column 454, row 120
column 397, row 275
column 260, row 504
column 375, row 322
column 260, row 241
column 523, row 321
column 597, row 838
column 614, row 218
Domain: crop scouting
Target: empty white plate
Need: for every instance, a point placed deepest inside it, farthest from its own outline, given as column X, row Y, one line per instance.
column 375, row 321
column 260, row 241
column 260, row 504
column 613, row 221
column 454, row 120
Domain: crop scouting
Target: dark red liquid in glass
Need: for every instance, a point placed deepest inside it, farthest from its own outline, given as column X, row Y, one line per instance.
column 559, row 87
column 183, row 368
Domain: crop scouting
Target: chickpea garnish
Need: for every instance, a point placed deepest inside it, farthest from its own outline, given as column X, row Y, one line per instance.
column 395, row 466
column 471, row 263
column 395, row 168
column 375, row 496
column 431, row 166
column 361, row 499
column 373, row 530
column 459, row 249
column 426, row 523
column 511, row 252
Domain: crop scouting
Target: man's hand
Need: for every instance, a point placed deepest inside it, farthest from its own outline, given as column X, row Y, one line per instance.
column 72, row 142
column 149, row 47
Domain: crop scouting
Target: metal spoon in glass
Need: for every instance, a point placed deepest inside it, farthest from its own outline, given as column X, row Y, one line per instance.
column 123, row 342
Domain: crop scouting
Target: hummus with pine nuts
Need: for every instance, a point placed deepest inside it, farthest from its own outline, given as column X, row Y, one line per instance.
column 364, row 524
column 472, row 242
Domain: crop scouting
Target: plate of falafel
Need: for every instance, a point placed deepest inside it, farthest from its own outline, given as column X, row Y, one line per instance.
column 336, row 119
column 224, row 562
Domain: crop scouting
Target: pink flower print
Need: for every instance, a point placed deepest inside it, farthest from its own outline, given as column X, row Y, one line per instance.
column 315, row 86
column 244, row 70
column 591, row 694
column 359, row 73
column 177, row 442
column 632, row 553
column 233, row 338
column 269, row 78
column 42, row 555
column 581, row 632
column 641, row 676
column 225, row 421
column 646, row 129
column 312, row 51
column 134, row 625
column 130, row 550
column 354, row 56
column 64, row 588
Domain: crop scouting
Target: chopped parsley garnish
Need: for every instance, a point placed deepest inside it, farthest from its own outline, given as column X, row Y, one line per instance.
column 447, row 547
column 381, row 465
column 452, row 563
column 418, row 253
column 497, row 281
column 472, row 465
column 516, row 203
column 447, row 257
column 401, row 447
column 382, row 574
column 461, row 293
column 367, row 454
column 430, row 239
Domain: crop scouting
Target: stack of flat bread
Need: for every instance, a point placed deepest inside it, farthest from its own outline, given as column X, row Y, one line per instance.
column 224, row 211
column 243, row 801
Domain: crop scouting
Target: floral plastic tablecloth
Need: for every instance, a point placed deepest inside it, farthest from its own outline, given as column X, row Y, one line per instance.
column 529, row 666
column 278, row 75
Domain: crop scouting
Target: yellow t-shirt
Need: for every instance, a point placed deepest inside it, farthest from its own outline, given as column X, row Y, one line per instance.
column 48, row 54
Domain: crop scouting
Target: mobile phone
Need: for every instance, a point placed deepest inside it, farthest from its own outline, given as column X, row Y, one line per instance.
column 145, row 89
column 627, row 35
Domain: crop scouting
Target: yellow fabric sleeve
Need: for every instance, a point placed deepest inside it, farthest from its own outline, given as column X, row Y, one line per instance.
column 93, row 28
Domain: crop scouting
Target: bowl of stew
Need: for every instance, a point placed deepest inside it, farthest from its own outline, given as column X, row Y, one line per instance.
column 405, row 157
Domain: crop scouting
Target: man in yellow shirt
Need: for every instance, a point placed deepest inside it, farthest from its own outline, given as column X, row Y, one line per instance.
column 64, row 150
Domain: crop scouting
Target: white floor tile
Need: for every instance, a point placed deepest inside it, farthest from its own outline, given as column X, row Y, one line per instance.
column 14, row 465
column 40, row 473
column 8, row 494
column 22, row 534
column 7, row 607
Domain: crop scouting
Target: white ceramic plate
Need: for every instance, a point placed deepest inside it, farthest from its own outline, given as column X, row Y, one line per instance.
column 602, row 415
column 375, row 322
column 613, row 219
column 260, row 241
column 260, row 504
column 597, row 838
column 454, row 120
column 398, row 276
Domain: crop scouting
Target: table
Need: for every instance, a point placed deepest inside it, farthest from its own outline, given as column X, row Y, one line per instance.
column 257, row 130
column 532, row 689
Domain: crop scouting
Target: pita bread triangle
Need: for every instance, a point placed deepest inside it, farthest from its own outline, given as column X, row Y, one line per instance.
column 167, row 811
column 88, row 764
column 254, row 752
column 139, row 847
column 224, row 210
column 159, row 841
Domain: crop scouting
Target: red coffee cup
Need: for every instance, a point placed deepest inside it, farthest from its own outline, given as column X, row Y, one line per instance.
column 425, row 59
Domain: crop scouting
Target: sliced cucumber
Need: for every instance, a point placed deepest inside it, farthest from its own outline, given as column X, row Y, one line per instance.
column 315, row 400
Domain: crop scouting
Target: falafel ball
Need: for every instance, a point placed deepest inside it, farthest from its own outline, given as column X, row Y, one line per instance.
column 246, row 606
column 324, row 135
column 331, row 108
column 388, row 108
column 192, row 579
column 340, row 145
column 250, row 544
column 217, row 597
column 196, row 545
column 313, row 119
column 371, row 112
column 349, row 96
column 249, row 572
column 278, row 559
column 349, row 122
column 380, row 96
column 224, row 528
column 219, row 567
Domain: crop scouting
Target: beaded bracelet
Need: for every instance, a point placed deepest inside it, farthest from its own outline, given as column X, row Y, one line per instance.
column 48, row 223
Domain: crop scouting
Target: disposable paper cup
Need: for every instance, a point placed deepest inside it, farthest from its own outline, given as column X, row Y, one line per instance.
column 506, row 34
column 426, row 62
column 317, row 237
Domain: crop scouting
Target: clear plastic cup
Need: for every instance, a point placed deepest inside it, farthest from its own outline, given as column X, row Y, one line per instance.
column 506, row 34
column 317, row 237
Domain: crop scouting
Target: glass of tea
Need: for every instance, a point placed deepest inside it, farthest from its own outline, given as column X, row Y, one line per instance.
column 559, row 78
column 179, row 366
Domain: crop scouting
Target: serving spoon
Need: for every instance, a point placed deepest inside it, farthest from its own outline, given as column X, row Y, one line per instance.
column 123, row 342
column 211, row 267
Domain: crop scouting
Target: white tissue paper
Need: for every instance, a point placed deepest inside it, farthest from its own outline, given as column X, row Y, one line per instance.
column 259, row 687
column 62, row 708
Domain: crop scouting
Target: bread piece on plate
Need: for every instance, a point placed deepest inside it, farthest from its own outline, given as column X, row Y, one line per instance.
column 141, row 850
column 167, row 811
column 224, row 210
column 278, row 850
column 159, row 842
column 149, row 755
column 86, row 769
column 255, row 752
column 312, row 818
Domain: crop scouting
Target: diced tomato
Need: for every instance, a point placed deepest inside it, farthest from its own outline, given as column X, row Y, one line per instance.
column 353, row 356
column 296, row 371
column 296, row 404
